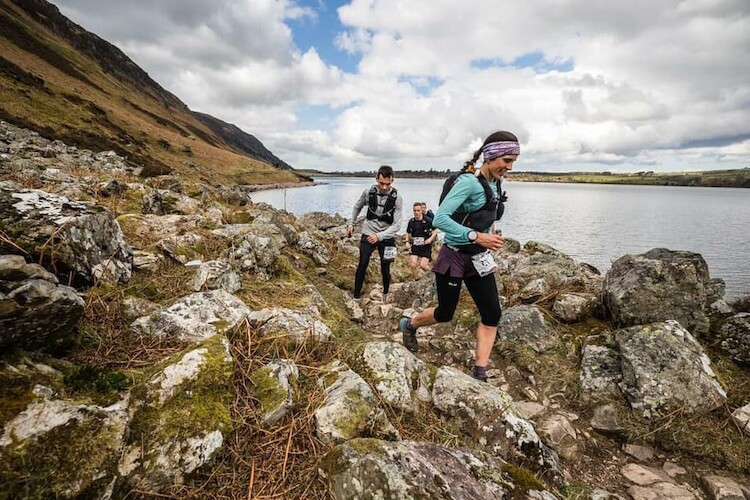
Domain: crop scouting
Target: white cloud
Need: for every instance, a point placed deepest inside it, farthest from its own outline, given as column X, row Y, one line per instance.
column 663, row 84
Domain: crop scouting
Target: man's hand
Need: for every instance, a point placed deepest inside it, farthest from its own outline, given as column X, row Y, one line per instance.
column 373, row 239
column 349, row 231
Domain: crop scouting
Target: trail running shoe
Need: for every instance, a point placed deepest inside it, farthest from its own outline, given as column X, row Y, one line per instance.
column 482, row 377
column 409, row 335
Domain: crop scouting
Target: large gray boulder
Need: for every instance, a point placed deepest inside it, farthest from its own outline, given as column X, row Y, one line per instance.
column 350, row 408
column 665, row 369
column 401, row 379
column 314, row 248
column 35, row 311
column 575, row 306
column 181, row 417
column 528, row 325
column 72, row 239
column 294, row 326
column 660, row 285
column 216, row 274
column 490, row 416
column 195, row 317
column 370, row 468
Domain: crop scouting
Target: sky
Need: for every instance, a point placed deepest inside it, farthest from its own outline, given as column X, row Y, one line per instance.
column 586, row 85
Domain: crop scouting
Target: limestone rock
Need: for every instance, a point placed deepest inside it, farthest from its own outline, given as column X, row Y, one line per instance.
column 735, row 337
column 257, row 251
column 163, row 202
column 183, row 248
column 660, row 285
column 35, row 311
column 534, row 290
column 350, row 408
column 654, row 484
column 194, row 317
column 742, row 417
column 558, row 431
column 182, row 417
column 400, row 378
column 664, row 368
column 489, row 415
column 216, row 274
column 157, row 227
column 146, row 261
column 528, row 325
column 48, row 438
column 273, row 387
column 135, row 307
column 369, row 468
column 575, row 306
column 321, row 221
column 540, row 261
column 722, row 488
column 314, row 248
column 420, row 293
column 600, row 371
column 67, row 236
column 607, row 420
column 295, row 326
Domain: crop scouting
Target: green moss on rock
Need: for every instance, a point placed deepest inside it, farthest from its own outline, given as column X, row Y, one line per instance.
column 267, row 390
column 198, row 406
column 63, row 462
column 524, row 479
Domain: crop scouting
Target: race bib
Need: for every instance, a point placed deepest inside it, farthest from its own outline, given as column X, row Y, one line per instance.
column 389, row 253
column 419, row 241
column 484, row 263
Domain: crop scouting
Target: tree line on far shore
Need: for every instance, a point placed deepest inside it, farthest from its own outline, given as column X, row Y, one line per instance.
column 739, row 178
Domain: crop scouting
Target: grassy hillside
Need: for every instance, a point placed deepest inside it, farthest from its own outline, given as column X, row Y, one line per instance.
column 713, row 178
column 68, row 84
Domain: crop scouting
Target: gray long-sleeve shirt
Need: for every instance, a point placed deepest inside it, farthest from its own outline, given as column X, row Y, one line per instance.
column 382, row 229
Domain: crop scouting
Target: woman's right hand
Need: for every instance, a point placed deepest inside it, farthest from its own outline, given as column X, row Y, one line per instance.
column 490, row 241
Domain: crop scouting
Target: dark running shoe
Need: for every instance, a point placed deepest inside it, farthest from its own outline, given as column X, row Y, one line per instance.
column 479, row 375
column 409, row 335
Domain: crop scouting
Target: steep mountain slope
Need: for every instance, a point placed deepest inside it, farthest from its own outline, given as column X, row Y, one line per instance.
column 69, row 84
column 241, row 140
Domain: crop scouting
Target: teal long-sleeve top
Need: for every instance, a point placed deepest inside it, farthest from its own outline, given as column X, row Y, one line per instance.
column 467, row 195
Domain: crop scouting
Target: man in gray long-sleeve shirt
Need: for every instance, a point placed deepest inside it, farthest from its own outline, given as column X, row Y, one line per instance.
column 379, row 229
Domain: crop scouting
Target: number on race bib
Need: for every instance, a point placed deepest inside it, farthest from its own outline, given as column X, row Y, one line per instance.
column 389, row 253
column 484, row 263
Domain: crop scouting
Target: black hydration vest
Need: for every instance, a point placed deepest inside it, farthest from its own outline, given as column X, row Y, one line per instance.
column 481, row 219
column 388, row 209
column 492, row 210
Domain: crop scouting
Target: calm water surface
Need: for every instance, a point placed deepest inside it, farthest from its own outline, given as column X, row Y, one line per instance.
column 594, row 223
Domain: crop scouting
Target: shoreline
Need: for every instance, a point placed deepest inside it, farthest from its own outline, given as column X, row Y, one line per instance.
column 252, row 188
column 738, row 178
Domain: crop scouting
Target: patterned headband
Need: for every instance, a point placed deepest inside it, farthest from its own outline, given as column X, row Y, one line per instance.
column 493, row 150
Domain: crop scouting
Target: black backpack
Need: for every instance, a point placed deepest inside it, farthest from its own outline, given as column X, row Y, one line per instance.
column 451, row 180
column 482, row 218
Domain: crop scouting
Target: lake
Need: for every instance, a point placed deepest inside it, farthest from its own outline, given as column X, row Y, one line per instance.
column 594, row 223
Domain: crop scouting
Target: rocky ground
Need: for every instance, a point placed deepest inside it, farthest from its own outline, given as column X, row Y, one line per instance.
column 167, row 339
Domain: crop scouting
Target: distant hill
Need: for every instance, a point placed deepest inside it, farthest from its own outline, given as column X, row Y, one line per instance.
column 241, row 140
column 66, row 83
